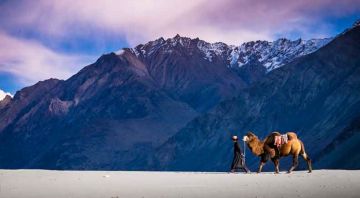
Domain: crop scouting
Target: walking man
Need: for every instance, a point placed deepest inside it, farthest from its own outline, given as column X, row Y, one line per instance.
column 238, row 161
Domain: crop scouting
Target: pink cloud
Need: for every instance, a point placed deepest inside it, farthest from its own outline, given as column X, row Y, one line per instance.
column 269, row 17
column 30, row 61
column 138, row 21
column 231, row 21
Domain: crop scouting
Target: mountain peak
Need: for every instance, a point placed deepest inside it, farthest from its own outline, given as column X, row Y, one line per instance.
column 177, row 36
column 161, row 40
column 177, row 39
column 356, row 23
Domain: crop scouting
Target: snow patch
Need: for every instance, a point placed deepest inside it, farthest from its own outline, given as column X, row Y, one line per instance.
column 134, row 51
column 3, row 94
column 212, row 49
column 120, row 52
column 234, row 56
column 273, row 54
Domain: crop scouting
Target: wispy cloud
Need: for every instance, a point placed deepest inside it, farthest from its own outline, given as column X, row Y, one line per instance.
column 232, row 21
column 30, row 61
column 277, row 17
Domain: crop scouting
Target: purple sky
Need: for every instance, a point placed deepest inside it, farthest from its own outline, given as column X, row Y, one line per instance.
column 43, row 39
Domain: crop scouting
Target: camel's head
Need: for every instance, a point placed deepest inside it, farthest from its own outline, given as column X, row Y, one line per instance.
column 249, row 137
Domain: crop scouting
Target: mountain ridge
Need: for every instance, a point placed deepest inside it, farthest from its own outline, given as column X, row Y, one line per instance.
column 237, row 56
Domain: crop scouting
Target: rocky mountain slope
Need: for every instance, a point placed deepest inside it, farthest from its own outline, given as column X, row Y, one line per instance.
column 90, row 120
column 317, row 95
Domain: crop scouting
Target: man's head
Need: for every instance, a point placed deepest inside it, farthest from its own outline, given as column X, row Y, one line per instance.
column 234, row 138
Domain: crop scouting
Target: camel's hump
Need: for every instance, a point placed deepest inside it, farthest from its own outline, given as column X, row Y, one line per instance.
column 291, row 135
column 275, row 133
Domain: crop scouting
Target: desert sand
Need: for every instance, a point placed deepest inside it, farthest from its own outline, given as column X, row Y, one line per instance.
column 123, row 184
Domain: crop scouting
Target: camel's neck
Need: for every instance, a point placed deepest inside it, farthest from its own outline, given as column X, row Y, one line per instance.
column 256, row 146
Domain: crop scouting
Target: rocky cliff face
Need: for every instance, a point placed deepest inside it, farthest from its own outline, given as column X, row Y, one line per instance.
column 125, row 111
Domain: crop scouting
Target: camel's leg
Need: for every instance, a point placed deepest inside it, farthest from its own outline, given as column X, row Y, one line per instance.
column 276, row 162
column 277, row 152
column 295, row 163
column 308, row 161
column 261, row 166
column 264, row 159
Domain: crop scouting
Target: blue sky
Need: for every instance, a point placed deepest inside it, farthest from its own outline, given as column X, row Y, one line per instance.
column 45, row 39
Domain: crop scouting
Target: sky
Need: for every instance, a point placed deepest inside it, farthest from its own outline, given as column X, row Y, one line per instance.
column 54, row 39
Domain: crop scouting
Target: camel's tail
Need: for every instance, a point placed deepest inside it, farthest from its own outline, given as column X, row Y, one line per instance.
column 305, row 156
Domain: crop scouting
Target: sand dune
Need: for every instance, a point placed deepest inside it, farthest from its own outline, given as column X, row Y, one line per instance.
column 122, row 184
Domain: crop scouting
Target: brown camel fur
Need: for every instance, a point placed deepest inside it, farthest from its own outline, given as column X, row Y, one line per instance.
column 265, row 149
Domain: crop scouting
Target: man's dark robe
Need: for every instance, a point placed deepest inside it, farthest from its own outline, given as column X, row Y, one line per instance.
column 238, row 161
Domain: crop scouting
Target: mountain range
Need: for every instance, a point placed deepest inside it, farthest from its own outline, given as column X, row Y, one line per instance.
column 173, row 104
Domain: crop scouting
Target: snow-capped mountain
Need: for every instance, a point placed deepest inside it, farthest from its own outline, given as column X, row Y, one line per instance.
column 271, row 55
column 275, row 54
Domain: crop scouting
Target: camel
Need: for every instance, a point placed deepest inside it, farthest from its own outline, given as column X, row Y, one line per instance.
column 265, row 149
